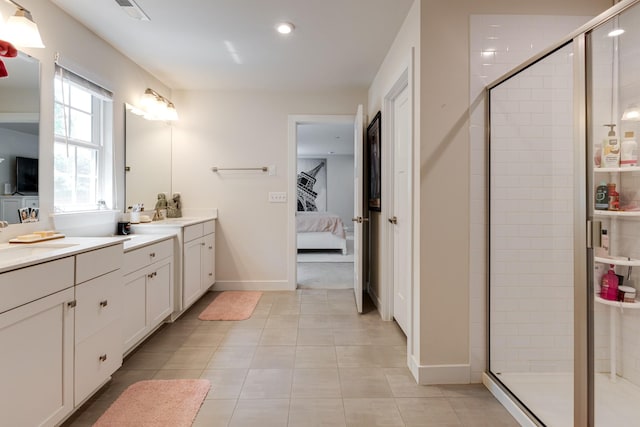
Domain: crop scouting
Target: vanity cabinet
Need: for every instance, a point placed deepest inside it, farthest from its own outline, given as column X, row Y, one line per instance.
column 148, row 290
column 98, row 320
column 36, row 336
column 199, row 261
column 194, row 260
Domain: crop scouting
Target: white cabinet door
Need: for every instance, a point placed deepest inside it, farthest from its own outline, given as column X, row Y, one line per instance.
column 36, row 362
column 159, row 293
column 208, row 262
column 10, row 208
column 134, row 316
column 192, row 269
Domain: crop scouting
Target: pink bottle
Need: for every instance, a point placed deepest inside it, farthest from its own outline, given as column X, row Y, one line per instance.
column 609, row 288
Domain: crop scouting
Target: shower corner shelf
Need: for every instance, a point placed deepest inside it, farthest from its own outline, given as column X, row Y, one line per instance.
column 618, row 261
column 620, row 304
column 616, row 213
column 626, row 169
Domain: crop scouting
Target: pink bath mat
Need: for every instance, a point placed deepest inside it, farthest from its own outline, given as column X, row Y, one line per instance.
column 231, row 305
column 156, row 403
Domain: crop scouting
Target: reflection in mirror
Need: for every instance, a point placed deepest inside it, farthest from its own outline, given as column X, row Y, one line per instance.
column 19, row 135
column 148, row 160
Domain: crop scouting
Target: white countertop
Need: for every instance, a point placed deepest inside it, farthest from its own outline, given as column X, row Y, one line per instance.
column 20, row 255
column 176, row 222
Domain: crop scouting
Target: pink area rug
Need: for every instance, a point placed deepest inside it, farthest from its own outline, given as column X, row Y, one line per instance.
column 231, row 305
column 156, row 403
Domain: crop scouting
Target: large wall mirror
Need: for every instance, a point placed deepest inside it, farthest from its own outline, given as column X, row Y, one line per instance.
column 148, row 160
column 19, row 136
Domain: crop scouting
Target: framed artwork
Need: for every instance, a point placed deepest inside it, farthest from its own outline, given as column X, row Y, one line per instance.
column 374, row 166
column 312, row 185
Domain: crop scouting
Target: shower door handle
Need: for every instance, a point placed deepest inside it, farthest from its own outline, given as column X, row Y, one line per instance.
column 594, row 233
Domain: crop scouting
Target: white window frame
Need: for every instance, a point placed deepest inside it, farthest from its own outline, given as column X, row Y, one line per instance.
column 101, row 142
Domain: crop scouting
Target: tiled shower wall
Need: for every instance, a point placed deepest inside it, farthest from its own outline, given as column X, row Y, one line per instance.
column 531, row 226
column 499, row 43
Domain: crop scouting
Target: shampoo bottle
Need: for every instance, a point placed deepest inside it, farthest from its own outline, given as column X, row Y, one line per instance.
column 628, row 151
column 610, row 149
column 602, row 197
column 609, row 288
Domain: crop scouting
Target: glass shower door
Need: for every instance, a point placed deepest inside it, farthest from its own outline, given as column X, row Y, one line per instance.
column 531, row 240
column 613, row 59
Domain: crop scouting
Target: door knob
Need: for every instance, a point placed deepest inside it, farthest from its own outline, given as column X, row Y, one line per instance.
column 359, row 219
column 393, row 220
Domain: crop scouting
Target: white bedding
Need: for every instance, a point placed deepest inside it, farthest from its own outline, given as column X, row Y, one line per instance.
column 318, row 222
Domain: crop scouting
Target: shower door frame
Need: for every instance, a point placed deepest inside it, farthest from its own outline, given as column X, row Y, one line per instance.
column 583, row 372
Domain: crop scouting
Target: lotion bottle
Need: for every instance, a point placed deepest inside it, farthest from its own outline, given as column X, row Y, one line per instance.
column 610, row 149
column 628, row 151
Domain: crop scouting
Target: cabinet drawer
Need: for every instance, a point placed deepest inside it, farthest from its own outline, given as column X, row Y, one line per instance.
column 21, row 286
column 193, row 232
column 97, row 358
column 208, row 227
column 142, row 257
column 96, row 263
column 99, row 302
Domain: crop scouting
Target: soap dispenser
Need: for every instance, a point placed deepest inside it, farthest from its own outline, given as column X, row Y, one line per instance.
column 611, row 149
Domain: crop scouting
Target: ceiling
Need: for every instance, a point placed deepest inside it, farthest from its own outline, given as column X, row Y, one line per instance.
column 233, row 45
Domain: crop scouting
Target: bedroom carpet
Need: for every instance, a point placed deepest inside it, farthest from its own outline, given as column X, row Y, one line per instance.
column 325, row 275
column 231, row 305
column 157, row 403
column 328, row 255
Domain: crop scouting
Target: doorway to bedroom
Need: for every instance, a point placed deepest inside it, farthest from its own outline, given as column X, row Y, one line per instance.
column 324, row 205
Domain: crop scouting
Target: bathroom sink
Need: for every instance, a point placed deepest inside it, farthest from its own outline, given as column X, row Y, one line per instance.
column 16, row 252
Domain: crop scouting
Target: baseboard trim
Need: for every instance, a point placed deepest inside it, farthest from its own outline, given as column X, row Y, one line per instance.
column 439, row 374
column 252, row 285
column 516, row 412
column 375, row 299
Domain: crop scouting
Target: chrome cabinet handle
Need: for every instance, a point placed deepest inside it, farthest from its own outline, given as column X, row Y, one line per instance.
column 104, row 303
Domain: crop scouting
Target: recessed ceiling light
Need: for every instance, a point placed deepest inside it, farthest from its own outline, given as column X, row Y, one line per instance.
column 285, row 27
column 616, row 32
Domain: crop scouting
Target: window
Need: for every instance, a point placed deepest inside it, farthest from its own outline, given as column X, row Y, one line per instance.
column 83, row 147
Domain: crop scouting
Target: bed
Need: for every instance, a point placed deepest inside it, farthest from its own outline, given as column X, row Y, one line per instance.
column 320, row 230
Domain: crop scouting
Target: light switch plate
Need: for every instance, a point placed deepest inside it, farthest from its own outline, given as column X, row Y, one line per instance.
column 277, row 197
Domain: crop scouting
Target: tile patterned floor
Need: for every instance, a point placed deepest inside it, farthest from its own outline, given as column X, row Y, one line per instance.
column 305, row 358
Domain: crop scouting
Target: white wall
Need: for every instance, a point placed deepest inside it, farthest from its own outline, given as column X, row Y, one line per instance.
column 244, row 129
column 88, row 55
column 340, row 187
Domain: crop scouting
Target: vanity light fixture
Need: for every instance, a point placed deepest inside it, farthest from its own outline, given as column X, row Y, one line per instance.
column 157, row 107
column 21, row 30
column 285, row 27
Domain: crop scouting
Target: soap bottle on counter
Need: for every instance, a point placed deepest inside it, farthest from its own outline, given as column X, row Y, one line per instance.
column 602, row 197
column 610, row 149
column 628, row 151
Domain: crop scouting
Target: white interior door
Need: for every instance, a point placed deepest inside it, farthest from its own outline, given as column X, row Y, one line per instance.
column 358, row 220
column 401, row 208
